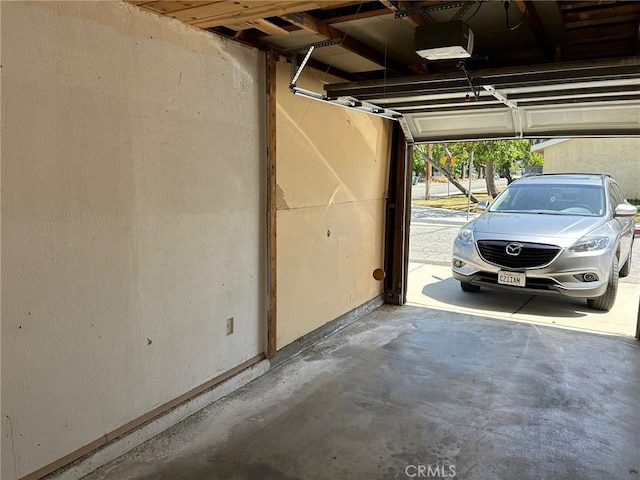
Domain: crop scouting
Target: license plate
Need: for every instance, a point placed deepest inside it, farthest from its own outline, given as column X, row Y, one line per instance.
column 515, row 279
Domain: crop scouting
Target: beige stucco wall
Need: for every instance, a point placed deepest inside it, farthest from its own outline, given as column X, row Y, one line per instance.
column 132, row 219
column 619, row 157
column 332, row 170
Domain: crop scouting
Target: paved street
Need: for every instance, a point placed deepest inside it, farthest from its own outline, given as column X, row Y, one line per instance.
column 432, row 234
column 441, row 189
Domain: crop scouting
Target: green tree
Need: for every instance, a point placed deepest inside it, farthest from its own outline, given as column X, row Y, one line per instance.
column 503, row 157
column 444, row 164
column 497, row 156
column 418, row 162
column 490, row 157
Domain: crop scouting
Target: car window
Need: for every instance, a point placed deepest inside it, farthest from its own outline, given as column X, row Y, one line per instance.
column 551, row 199
column 617, row 194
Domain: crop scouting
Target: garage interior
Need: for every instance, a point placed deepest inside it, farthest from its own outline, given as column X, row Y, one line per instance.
column 195, row 196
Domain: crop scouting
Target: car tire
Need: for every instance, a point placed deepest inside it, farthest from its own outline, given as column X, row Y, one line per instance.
column 469, row 287
column 626, row 268
column 608, row 298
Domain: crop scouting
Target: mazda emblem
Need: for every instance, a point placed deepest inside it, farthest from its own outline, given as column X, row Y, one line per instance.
column 514, row 249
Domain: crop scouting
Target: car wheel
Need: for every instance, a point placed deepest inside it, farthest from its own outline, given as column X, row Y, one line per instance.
column 606, row 300
column 626, row 268
column 469, row 287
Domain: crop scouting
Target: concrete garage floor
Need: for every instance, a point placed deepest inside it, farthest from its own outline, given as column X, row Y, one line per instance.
column 411, row 392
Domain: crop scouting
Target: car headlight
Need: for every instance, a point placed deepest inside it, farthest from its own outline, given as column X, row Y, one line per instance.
column 590, row 244
column 465, row 235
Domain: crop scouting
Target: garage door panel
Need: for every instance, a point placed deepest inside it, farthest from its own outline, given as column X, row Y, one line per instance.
column 617, row 117
column 464, row 124
column 561, row 99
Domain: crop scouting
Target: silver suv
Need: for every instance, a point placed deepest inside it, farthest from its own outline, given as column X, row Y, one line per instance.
column 567, row 234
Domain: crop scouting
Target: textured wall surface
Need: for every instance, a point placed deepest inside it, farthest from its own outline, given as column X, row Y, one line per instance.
column 332, row 171
column 618, row 156
column 132, row 219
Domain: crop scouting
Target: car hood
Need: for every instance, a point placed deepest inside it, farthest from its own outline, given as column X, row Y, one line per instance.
column 562, row 230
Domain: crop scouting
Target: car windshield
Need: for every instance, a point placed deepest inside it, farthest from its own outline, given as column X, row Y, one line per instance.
column 551, row 199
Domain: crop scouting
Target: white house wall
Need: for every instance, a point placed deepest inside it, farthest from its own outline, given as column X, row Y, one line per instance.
column 618, row 156
column 132, row 219
column 332, row 175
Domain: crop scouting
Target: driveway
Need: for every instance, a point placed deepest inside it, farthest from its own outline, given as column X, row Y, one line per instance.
column 431, row 284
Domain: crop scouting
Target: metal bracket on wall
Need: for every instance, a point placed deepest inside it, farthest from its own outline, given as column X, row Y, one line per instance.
column 352, row 103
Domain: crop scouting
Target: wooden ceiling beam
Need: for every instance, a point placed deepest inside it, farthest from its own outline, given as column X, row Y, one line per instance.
column 267, row 27
column 358, row 16
column 598, row 21
column 532, row 18
column 329, row 32
column 602, row 35
column 607, row 11
column 582, row 4
column 167, row 7
column 413, row 21
column 219, row 14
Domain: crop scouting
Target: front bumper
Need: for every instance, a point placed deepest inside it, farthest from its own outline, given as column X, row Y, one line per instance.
column 563, row 276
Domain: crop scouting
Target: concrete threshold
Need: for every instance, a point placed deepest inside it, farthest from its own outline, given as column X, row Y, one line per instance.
column 433, row 286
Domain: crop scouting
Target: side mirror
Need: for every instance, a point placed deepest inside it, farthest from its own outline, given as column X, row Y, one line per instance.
column 482, row 205
column 625, row 210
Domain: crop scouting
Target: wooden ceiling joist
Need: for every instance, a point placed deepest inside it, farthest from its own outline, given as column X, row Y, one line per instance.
column 413, row 21
column 533, row 20
column 573, row 30
column 219, row 13
column 323, row 29
column 268, row 27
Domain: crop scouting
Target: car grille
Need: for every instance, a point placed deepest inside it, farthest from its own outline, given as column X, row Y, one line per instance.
column 531, row 254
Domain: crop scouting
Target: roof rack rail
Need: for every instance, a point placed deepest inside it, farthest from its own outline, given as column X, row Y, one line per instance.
column 602, row 175
column 578, row 173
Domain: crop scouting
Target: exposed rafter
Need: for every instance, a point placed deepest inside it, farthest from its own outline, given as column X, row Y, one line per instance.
column 412, row 20
column 551, row 31
column 532, row 18
column 323, row 29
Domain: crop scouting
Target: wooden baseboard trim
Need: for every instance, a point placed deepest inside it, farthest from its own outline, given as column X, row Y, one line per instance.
column 55, row 467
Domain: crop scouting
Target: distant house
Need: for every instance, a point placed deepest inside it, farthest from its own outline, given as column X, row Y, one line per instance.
column 619, row 157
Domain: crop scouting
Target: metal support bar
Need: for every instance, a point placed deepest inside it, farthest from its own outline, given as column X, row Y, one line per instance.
column 551, row 75
column 500, row 96
column 342, row 101
column 348, row 103
column 463, row 9
column 303, row 48
column 516, row 113
column 299, row 69
column 425, row 10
